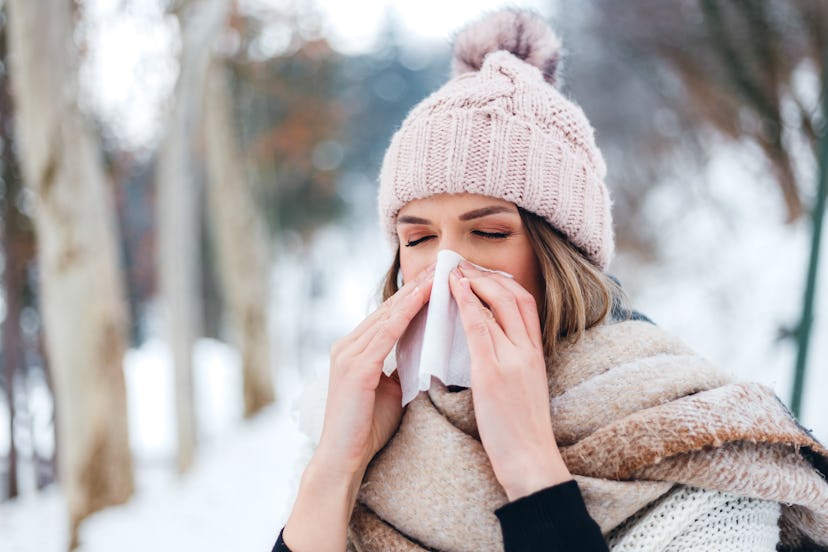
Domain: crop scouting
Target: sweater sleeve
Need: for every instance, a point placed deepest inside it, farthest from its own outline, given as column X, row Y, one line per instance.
column 280, row 545
column 554, row 518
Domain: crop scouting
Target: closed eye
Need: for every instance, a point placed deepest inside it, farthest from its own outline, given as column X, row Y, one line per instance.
column 412, row 243
column 491, row 235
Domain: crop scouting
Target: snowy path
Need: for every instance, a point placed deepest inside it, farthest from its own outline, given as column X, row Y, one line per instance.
column 236, row 498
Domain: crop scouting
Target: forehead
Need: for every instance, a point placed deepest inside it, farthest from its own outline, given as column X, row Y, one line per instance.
column 454, row 203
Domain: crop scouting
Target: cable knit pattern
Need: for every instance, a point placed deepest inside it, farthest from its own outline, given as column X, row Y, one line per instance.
column 637, row 415
column 504, row 132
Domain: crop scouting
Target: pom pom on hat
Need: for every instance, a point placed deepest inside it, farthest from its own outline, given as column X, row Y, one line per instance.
column 522, row 33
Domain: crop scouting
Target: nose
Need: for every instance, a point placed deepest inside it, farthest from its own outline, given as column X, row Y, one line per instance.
column 456, row 244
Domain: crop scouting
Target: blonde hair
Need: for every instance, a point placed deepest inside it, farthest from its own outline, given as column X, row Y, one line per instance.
column 577, row 294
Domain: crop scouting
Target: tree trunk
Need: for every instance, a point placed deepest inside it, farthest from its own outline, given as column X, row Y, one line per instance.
column 241, row 243
column 16, row 253
column 47, row 467
column 82, row 297
column 14, row 274
column 178, row 203
column 803, row 330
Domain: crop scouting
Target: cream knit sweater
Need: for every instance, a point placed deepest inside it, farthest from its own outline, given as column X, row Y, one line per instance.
column 689, row 519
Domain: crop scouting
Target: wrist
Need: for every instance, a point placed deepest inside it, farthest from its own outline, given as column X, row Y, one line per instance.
column 326, row 499
column 331, row 466
column 534, row 477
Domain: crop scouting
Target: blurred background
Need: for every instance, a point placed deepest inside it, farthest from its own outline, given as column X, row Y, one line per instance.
column 187, row 216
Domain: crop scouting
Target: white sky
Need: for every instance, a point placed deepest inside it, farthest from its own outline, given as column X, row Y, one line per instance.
column 130, row 68
column 352, row 26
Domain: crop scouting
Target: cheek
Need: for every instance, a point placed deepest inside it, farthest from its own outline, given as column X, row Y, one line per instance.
column 410, row 265
column 528, row 275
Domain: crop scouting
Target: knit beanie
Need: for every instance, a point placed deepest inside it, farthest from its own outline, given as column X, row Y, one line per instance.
column 501, row 128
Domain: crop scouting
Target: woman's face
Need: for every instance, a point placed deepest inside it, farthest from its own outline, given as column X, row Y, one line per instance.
column 484, row 230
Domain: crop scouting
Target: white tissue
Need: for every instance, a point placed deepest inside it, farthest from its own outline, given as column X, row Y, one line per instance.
column 434, row 345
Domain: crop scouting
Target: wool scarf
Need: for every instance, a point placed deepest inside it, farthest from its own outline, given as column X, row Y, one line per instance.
column 635, row 412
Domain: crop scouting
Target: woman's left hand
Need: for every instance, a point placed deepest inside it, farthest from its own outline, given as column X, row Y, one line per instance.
column 508, row 379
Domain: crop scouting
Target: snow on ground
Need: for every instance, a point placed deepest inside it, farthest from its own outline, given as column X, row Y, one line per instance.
column 236, row 497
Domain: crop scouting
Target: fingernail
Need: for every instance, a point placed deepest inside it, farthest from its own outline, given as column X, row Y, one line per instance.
column 466, row 265
column 431, row 267
column 456, row 272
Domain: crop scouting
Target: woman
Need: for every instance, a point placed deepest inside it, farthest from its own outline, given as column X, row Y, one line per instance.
column 585, row 426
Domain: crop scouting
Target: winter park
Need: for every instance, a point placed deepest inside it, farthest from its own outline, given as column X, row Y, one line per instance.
column 200, row 201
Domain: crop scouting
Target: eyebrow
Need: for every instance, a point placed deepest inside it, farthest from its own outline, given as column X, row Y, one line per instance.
column 470, row 215
column 485, row 211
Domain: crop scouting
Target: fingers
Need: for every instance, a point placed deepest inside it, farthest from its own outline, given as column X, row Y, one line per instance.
column 513, row 306
column 527, row 305
column 366, row 348
column 359, row 338
column 478, row 323
column 387, row 332
column 501, row 302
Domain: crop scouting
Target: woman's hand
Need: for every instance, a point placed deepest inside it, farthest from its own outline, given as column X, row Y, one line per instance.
column 363, row 407
column 508, row 379
column 362, row 411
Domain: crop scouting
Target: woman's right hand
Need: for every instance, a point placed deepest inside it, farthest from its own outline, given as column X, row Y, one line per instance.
column 362, row 412
column 363, row 408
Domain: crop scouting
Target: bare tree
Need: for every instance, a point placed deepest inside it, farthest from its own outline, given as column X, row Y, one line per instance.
column 17, row 251
column 178, row 208
column 82, row 296
column 736, row 62
column 241, row 241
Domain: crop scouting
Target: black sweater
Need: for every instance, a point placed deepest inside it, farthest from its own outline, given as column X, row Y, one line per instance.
column 553, row 519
